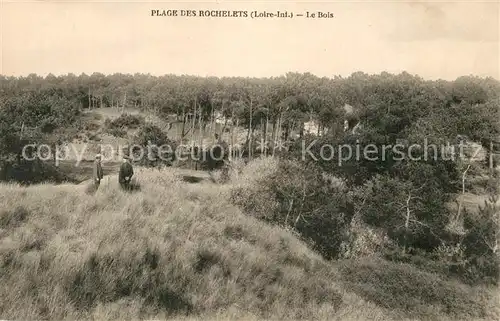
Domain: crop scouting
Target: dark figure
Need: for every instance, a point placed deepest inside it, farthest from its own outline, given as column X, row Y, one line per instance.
column 98, row 173
column 125, row 174
column 196, row 156
column 218, row 153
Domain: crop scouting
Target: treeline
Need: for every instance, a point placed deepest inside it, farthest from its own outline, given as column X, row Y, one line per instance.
column 46, row 109
column 34, row 116
column 286, row 101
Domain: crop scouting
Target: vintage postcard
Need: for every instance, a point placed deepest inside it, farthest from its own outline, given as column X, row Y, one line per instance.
column 249, row 160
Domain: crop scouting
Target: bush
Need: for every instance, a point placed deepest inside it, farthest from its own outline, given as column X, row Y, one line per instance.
column 482, row 242
column 447, row 260
column 411, row 216
column 91, row 126
column 251, row 191
column 364, row 240
column 118, row 127
column 33, row 172
column 96, row 138
column 297, row 197
column 14, row 217
column 150, row 138
column 117, row 132
column 415, row 293
column 127, row 121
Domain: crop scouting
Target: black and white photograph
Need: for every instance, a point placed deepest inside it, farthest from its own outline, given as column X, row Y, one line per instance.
column 249, row 160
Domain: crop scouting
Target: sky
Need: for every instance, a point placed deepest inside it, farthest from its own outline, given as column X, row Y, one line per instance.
column 432, row 39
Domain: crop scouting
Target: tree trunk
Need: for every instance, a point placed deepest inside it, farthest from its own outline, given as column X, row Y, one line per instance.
column 200, row 134
column 54, row 154
column 280, row 123
column 251, row 132
column 407, row 222
column 262, row 139
column 200, row 143
column 237, row 126
column 490, row 154
column 21, row 133
column 273, row 136
column 214, row 123
column 459, row 211
column 273, row 133
column 232, row 132
column 265, row 133
column 212, row 120
column 183, row 123
column 290, row 206
column 267, row 126
column 124, row 102
column 193, row 123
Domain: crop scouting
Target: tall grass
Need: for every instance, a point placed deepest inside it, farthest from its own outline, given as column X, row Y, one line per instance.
column 169, row 250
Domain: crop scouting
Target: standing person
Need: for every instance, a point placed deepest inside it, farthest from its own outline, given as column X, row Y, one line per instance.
column 98, row 173
column 216, row 154
column 126, row 173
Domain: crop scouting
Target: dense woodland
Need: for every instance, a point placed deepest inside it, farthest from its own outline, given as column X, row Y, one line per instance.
column 407, row 200
column 286, row 100
column 397, row 105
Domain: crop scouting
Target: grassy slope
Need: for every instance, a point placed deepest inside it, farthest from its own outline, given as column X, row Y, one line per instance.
column 168, row 249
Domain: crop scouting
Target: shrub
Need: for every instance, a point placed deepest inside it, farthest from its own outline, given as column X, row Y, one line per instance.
column 96, row 138
column 364, row 240
column 251, row 191
column 118, row 127
column 117, row 132
column 415, row 293
column 33, row 172
column 482, row 242
column 411, row 216
column 296, row 196
column 91, row 126
column 220, row 176
column 151, row 138
column 127, row 121
column 14, row 217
